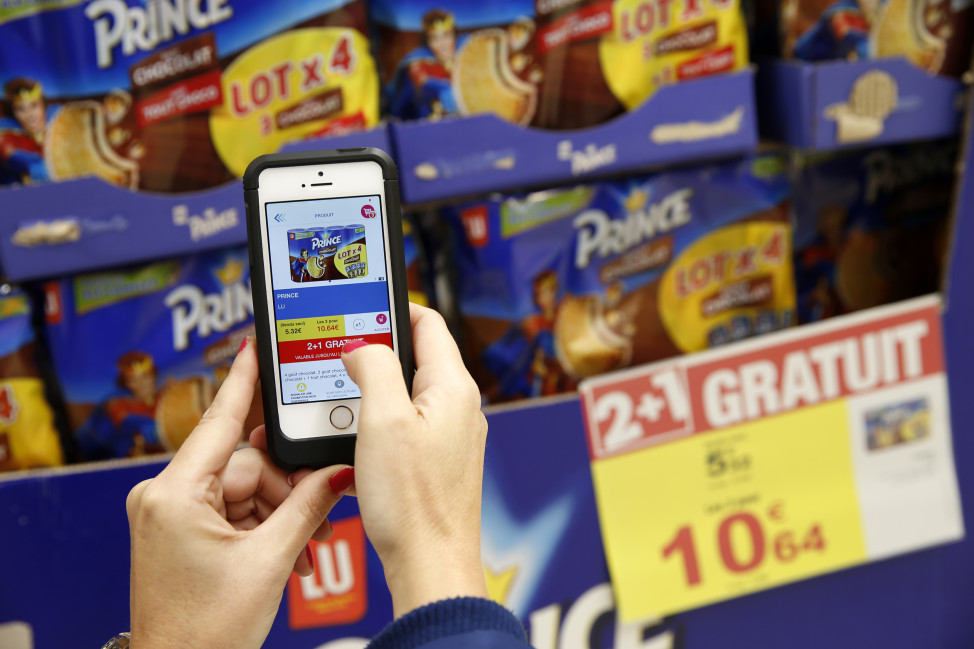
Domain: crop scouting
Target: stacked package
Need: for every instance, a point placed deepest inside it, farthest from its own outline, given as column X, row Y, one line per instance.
column 28, row 437
column 872, row 226
column 172, row 96
column 933, row 34
column 557, row 64
column 140, row 352
column 559, row 285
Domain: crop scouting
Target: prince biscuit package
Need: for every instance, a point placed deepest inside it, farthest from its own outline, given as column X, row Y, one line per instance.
column 557, row 64
column 935, row 35
column 872, row 226
column 141, row 352
column 28, row 437
column 176, row 95
column 559, row 285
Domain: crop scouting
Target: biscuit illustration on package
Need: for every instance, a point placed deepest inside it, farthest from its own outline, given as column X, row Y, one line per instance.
column 180, row 405
column 585, row 343
column 564, row 284
column 145, row 388
column 912, row 29
column 76, row 145
column 484, row 82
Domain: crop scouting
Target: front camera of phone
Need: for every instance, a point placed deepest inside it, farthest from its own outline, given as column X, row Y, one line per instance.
column 302, row 184
column 321, row 173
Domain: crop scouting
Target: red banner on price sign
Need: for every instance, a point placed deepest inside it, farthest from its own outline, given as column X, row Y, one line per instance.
column 790, row 455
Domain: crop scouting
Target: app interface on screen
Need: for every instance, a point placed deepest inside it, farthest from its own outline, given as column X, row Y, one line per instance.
column 328, row 275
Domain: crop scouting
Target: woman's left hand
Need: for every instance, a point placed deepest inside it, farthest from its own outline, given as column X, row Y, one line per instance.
column 217, row 533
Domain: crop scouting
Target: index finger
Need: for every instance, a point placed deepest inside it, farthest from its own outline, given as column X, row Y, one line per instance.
column 209, row 447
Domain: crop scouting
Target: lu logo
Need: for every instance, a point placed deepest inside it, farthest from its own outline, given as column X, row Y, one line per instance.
column 337, row 592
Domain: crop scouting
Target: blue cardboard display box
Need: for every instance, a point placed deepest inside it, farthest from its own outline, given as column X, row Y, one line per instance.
column 81, row 225
column 691, row 121
column 842, row 104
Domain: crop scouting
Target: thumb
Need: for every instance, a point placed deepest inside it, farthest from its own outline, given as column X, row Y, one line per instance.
column 376, row 370
column 292, row 524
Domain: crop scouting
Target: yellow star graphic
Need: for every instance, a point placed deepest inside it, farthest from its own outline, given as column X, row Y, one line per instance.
column 499, row 583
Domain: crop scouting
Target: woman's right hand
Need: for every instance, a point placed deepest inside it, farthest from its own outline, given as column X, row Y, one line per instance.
column 419, row 465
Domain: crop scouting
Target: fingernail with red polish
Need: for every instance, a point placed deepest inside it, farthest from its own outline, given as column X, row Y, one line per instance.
column 342, row 480
column 352, row 345
column 311, row 557
column 243, row 344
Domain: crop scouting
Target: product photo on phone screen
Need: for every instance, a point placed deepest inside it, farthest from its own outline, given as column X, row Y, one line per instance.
column 328, row 274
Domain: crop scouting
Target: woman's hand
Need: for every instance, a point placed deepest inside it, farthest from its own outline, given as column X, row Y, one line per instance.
column 419, row 465
column 216, row 534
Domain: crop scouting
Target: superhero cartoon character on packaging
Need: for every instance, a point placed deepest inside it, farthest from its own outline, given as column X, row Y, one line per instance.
column 826, row 30
column 299, row 267
column 124, row 424
column 22, row 129
column 526, row 354
column 422, row 82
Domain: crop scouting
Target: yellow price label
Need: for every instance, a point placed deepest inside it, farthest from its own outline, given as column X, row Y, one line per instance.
column 311, row 328
column 719, row 514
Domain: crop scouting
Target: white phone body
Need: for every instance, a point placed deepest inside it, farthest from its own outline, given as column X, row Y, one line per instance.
column 311, row 319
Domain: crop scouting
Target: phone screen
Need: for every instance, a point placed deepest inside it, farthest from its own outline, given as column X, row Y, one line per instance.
column 330, row 286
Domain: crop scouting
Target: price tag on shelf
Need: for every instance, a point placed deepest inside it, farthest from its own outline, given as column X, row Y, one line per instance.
column 794, row 454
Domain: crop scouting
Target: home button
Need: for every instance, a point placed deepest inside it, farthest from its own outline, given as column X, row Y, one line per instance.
column 341, row 417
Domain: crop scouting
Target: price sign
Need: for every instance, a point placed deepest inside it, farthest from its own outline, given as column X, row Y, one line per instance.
column 803, row 452
column 311, row 328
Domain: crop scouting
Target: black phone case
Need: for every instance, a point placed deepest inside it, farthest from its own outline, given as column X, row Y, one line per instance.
column 337, row 449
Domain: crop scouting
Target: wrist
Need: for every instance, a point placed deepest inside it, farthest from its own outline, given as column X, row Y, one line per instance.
column 431, row 576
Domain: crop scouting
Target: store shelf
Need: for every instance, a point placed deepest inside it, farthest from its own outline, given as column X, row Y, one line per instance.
column 463, row 156
column 840, row 104
column 67, row 529
column 80, row 225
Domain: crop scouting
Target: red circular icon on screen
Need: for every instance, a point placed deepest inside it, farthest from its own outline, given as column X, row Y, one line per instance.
column 368, row 211
column 381, row 318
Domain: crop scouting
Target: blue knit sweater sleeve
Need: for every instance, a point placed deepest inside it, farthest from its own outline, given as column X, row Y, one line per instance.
column 461, row 622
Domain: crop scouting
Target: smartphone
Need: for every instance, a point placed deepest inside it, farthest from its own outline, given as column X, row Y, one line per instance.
column 324, row 231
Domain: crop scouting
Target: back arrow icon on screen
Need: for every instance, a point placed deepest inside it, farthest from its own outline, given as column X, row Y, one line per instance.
column 279, row 218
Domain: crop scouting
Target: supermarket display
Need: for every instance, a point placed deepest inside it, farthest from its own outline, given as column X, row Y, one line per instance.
column 871, row 226
column 563, row 284
column 140, row 352
column 177, row 97
column 588, row 205
column 28, row 436
column 935, row 36
column 556, row 65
